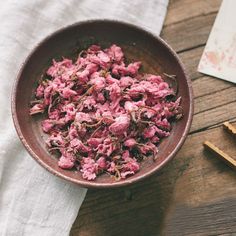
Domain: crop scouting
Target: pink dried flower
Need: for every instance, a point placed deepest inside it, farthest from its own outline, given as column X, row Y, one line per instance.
column 120, row 125
column 130, row 143
column 77, row 145
column 130, row 167
column 115, row 53
column 89, row 168
column 67, row 93
column 94, row 142
column 89, row 103
column 126, row 81
column 148, row 147
column 100, row 98
column 47, row 125
column 115, row 91
column 73, row 132
column 121, row 69
column 149, row 132
column 106, row 148
column 149, row 113
column 125, row 155
column 163, row 124
column 37, row 108
column 103, row 57
column 81, row 117
column 136, row 90
column 133, row 68
column 39, row 91
column 154, row 78
column 130, row 106
column 111, row 80
column 161, row 133
column 56, row 139
column 112, row 167
column 66, row 161
column 155, row 139
column 54, row 115
column 98, row 82
column 70, row 112
column 102, row 163
column 102, row 113
column 83, row 76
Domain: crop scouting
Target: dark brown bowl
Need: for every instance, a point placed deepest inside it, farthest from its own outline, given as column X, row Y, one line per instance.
column 138, row 44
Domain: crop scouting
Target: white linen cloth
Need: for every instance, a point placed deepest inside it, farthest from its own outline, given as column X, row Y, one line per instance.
column 33, row 201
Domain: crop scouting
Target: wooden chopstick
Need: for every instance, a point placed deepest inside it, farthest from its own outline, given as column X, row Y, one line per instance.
column 222, row 155
column 230, row 128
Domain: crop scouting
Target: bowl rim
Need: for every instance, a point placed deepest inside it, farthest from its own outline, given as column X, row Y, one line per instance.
column 91, row 184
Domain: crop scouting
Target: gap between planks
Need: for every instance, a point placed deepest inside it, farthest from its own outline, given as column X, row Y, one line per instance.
column 217, row 125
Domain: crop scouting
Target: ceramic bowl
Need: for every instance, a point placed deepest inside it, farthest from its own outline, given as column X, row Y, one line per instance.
column 138, row 44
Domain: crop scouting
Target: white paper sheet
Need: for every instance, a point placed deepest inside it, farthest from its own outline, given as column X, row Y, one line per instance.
column 219, row 56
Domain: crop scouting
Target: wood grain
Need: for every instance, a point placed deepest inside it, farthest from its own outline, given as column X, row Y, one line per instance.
column 182, row 36
column 209, row 222
column 182, row 10
column 195, row 194
column 214, row 116
column 214, row 100
column 207, row 85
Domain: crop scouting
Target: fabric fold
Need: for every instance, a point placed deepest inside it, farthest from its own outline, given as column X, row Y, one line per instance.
column 33, row 201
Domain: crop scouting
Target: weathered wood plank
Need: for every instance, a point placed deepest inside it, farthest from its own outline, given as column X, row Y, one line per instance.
column 188, row 34
column 181, row 10
column 213, row 117
column 216, row 99
column 213, row 219
column 208, row 85
column 191, row 180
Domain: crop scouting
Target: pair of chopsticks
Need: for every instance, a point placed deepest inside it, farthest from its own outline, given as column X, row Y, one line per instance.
column 222, row 155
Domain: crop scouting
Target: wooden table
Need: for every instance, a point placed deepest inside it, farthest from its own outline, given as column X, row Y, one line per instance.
column 196, row 193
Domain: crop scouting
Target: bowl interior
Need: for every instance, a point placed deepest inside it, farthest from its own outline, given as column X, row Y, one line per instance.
column 137, row 45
